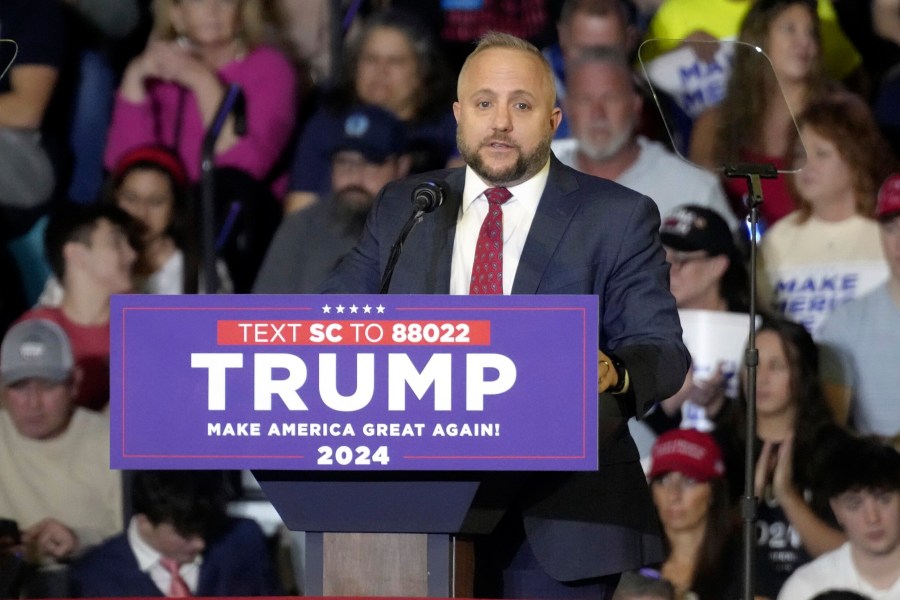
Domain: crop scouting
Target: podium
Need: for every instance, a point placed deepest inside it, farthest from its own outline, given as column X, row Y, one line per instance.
column 392, row 429
column 389, row 534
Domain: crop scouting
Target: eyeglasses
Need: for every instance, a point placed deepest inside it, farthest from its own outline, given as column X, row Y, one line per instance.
column 679, row 259
column 132, row 199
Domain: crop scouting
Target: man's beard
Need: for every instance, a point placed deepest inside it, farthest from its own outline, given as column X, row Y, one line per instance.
column 351, row 205
column 612, row 147
column 525, row 166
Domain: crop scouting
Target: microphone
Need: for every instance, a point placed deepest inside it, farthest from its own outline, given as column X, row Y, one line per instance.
column 233, row 103
column 426, row 197
column 429, row 195
column 239, row 110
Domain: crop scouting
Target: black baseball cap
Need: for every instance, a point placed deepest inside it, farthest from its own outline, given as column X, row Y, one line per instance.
column 374, row 132
column 690, row 228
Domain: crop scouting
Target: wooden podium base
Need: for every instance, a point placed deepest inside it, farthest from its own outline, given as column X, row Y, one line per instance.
column 389, row 564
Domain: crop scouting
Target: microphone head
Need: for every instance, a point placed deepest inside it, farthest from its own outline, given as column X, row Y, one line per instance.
column 239, row 110
column 429, row 195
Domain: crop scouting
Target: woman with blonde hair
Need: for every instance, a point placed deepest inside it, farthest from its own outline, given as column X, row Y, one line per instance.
column 170, row 93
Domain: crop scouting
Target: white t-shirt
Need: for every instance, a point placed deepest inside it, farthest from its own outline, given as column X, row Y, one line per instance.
column 833, row 571
column 668, row 180
column 66, row 477
column 811, row 268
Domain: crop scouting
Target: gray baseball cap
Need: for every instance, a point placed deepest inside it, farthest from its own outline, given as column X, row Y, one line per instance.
column 35, row 348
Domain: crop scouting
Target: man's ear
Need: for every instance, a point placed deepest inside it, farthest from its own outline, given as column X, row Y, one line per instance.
column 835, row 511
column 74, row 254
column 632, row 39
column 721, row 264
column 76, row 378
column 555, row 118
column 638, row 100
column 144, row 525
column 456, row 110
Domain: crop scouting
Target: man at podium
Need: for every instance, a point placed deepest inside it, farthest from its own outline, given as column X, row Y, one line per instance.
column 515, row 220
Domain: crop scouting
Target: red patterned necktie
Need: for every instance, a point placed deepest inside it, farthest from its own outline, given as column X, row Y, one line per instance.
column 487, row 269
column 178, row 587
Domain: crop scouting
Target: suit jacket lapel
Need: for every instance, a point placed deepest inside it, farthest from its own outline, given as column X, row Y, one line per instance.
column 557, row 205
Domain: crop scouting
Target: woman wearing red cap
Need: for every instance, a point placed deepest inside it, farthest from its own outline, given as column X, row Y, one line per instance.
column 687, row 479
column 151, row 185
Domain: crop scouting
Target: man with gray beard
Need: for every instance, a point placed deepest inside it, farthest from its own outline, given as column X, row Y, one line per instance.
column 604, row 110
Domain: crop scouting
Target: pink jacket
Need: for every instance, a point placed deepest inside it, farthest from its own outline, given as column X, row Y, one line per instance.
column 269, row 83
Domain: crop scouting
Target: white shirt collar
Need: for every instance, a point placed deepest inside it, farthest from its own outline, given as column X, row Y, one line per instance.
column 532, row 188
column 147, row 556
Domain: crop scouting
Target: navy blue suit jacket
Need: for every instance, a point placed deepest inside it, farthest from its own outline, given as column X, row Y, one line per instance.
column 237, row 563
column 589, row 236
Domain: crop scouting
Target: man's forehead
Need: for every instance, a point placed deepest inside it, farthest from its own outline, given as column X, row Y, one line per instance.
column 505, row 59
column 862, row 492
column 41, row 382
column 494, row 67
column 600, row 75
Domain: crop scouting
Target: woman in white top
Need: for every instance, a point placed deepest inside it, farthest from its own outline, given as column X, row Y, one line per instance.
column 827, row 252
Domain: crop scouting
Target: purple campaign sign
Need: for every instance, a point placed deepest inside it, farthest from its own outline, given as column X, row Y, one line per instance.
column 420, row 383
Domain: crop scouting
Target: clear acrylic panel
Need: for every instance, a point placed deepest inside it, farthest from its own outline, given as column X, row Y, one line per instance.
column 687, row 78
column 8, row 51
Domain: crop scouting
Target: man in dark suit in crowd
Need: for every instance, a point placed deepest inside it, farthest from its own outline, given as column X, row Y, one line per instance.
column 559, row 232
column 179, row 543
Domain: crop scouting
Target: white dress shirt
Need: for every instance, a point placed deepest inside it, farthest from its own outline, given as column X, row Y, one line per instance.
column 518, row 213
column 148, row 561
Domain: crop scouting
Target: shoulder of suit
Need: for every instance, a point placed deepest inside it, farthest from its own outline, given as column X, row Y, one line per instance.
column 590, row 184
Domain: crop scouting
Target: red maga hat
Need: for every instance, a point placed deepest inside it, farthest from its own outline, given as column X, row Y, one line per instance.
column 687, row 451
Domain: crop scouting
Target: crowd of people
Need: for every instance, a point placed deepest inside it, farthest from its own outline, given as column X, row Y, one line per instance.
column 105, row 147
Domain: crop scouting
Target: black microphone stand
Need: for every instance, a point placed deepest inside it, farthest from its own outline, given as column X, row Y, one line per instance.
column 208, row 277
column 414, row 219
column 752, row 173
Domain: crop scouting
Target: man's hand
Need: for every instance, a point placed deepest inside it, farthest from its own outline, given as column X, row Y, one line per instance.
column 607, row 376
column 50, row 538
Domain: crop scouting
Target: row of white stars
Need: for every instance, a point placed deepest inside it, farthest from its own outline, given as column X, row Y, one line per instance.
column 353, row 309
